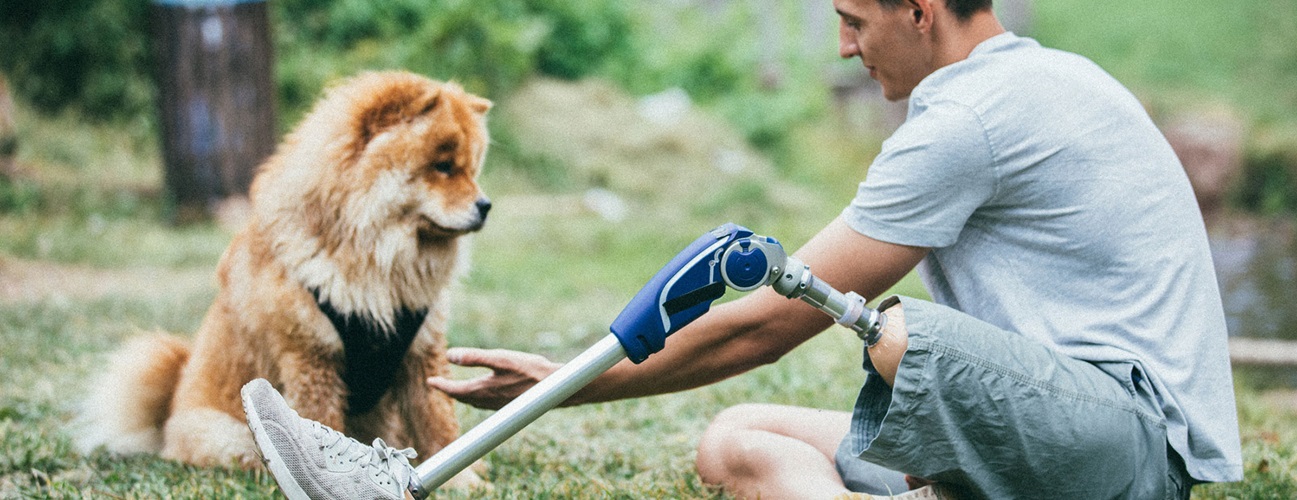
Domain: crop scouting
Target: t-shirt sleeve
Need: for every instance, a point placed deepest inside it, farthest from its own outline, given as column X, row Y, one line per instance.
column 928, row 179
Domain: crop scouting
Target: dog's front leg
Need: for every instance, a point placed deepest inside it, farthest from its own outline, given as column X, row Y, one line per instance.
column 429, row 415
column 312, row 385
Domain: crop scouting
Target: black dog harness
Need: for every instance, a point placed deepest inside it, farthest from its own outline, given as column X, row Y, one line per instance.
column 372, row 353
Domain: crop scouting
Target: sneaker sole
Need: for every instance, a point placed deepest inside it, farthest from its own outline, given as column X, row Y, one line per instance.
column 287, row 484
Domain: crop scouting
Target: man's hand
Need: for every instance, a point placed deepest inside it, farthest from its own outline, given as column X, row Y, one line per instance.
column 512, row 373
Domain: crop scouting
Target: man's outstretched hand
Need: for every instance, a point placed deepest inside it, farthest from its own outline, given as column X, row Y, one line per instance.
column 512, row 373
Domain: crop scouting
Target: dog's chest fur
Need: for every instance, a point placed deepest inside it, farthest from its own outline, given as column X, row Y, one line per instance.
column 372, row 353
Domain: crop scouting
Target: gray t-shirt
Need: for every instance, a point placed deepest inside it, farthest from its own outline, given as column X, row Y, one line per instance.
column 1056, row 209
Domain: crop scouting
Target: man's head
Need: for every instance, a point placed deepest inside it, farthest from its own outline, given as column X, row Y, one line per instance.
column 901, row 42
column 962, row 9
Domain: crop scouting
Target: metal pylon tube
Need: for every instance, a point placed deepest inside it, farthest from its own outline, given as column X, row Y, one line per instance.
column 519, row 413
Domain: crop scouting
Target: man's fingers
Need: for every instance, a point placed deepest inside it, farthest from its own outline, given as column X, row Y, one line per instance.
column 512, row 373
column 469, row 356
column 454, row 388
column 471, row 392
column 498, row 360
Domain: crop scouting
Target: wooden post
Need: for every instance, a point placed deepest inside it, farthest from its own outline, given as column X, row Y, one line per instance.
column 1262, row 352
column 217, row 103
column 8, row 133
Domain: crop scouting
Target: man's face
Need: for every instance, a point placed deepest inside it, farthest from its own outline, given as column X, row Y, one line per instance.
column 887, row 41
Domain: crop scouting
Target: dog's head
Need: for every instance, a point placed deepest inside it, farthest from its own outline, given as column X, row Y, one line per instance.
column 367, row 199
column 423, row 143
column 382, row 154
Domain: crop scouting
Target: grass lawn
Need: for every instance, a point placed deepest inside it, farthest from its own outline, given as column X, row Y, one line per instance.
column 1241, row 53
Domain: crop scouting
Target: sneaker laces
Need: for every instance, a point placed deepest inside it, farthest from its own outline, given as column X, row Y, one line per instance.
column 380, row 457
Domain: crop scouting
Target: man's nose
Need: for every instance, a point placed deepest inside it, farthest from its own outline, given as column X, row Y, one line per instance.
column 847, row 47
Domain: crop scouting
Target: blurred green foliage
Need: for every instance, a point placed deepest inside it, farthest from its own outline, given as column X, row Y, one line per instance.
column 19, row 196
column 90, row 54
column 94, row 56
column 490, row 47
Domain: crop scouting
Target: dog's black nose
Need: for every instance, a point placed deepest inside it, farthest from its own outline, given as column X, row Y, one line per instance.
column 483, row 206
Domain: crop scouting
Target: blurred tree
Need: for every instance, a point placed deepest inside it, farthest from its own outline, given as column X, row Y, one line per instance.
column 489, row 46
column 91, row 54
column 95, row 55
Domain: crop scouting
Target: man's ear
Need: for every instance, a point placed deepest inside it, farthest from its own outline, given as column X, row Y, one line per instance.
column 922, row 10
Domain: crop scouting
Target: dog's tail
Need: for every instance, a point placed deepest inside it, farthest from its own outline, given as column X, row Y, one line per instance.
column 128, row 403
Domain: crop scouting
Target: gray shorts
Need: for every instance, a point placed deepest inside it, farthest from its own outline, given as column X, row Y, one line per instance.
column 996, row 415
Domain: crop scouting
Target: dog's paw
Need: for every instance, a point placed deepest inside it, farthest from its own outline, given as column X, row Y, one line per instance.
column 251, row 461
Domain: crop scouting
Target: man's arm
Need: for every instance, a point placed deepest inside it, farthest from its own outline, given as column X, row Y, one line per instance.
column 732, row 338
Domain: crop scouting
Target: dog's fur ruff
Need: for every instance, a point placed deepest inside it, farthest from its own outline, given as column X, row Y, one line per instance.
column 363, row 210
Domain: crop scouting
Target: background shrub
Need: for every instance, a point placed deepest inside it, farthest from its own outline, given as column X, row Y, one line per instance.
column 88, row 54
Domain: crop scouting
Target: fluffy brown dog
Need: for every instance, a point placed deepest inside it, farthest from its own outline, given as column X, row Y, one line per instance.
column 335, row 291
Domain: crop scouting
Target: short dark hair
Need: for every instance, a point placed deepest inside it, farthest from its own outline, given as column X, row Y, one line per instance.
column 963, row 9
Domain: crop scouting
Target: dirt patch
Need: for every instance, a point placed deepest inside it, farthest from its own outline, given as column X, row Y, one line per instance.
column 1284, row 400
column 24, row 281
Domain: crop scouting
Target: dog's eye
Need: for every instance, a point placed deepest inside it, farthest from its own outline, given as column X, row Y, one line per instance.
column 444, row 166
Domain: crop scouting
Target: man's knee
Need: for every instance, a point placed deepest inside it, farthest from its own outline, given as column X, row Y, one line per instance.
column 716, row 448
column 744, row 416
column 750, row 439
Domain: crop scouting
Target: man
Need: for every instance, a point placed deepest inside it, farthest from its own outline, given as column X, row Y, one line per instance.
column 1078, row 350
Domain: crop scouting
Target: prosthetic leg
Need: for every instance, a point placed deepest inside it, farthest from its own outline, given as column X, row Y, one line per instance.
column 729, row 256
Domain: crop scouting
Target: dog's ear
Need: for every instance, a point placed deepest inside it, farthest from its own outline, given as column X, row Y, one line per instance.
column 478, row 104
column 377, row 119
column 428, row 103
column 395, row 109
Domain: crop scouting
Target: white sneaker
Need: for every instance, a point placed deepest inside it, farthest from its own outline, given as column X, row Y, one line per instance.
column 311, row 461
